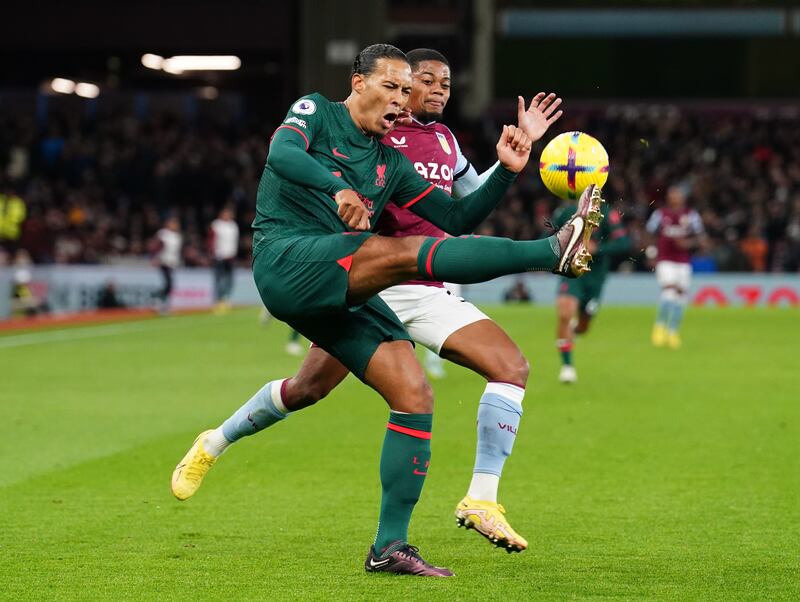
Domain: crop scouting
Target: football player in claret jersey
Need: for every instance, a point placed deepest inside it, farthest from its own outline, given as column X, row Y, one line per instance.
column 577, row 301
column 441, row 321
column 317, row 267
column 678, row 230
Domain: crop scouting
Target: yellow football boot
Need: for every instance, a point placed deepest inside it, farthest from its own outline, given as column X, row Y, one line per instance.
column 488, row 519
column 189, row 473
column 674, row 340
column 659, row 335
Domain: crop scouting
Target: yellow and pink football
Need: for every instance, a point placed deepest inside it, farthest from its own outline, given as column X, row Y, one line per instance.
column 570, row 162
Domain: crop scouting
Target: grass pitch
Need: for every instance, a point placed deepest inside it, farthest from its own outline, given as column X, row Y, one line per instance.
column 670, row 475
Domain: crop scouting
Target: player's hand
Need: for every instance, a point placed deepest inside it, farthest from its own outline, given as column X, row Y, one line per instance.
column 541, row 114
column 352, row 210
column 513, row 148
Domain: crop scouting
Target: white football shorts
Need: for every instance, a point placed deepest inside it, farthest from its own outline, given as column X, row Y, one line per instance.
column 673, row 273
column 429, row 313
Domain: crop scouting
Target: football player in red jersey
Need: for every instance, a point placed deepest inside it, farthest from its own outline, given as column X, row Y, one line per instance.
column 678, row 230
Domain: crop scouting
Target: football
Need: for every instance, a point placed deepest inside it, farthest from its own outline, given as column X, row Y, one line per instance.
column 570, row 162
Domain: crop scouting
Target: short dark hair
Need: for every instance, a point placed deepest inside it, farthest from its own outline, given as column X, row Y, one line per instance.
column 416, row 56
column 365, row 61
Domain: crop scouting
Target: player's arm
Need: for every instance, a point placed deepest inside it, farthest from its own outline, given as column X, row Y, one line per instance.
column 696, row 232
column 288, row 149
column 463, row 216
column 534, row 121
column 289, row 158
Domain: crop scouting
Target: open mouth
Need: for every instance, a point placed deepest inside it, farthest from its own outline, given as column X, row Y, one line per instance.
column 389, row 119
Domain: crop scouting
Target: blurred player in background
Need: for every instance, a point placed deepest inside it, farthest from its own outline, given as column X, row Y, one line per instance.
column 577, row 301
column 167, row 245
column 224, row 243
column 678, row 230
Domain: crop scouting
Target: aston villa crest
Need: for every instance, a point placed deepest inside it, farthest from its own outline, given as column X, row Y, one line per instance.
column 444, row 143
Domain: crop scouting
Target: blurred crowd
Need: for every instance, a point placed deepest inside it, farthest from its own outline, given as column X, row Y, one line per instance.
column 740, row 168
column 77, row 190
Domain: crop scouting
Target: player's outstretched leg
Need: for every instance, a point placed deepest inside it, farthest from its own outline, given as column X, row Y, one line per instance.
column 264, row 409
column 381, row 262
column 319, row 374
column 499, row 414
column 486, row 349
column 473, row 259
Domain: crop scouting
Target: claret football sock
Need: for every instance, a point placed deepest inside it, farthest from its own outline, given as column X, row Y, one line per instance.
column 262, row 410
column 470, row 259
column 499, row 413
column 405, row 459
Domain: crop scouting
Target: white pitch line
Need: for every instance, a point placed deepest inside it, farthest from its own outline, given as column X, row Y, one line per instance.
column 89, row 332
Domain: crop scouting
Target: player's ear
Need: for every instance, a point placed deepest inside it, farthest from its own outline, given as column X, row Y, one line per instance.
column 357, row 82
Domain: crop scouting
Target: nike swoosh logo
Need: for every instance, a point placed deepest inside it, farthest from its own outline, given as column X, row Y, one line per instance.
column 336, row 153
column 419, row 472
column 379, row 564
column 576, row 234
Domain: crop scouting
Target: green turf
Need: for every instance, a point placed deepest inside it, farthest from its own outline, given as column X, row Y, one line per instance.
column 670, row 475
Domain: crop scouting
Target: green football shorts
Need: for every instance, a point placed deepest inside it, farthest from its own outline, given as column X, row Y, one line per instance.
column 302, row 280
column 586, row 289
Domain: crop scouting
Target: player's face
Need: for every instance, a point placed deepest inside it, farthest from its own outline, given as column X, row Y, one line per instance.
column 430, row 91
column 382, row 95
column 675, row 198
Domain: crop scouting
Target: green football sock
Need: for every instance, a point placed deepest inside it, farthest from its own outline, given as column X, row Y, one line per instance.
column 404, row 463
column 470, row 259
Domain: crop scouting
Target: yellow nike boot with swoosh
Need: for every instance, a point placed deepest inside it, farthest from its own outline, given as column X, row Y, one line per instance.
column 488, row 519
column 188, row 474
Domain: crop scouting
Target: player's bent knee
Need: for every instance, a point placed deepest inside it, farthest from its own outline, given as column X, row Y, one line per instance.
column 416, row 398
column 302, row 394
column 512, row 368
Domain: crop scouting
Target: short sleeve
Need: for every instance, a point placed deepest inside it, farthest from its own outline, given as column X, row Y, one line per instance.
column 306, row 117
column 462, row 163
column 654, row 222
column 695, row 222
